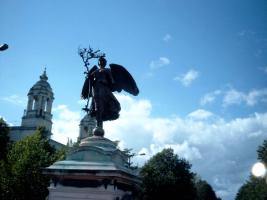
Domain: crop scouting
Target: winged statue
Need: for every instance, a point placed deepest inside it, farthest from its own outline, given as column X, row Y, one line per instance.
column 100, row 83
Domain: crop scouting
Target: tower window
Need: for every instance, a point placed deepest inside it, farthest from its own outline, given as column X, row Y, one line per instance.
column 46, row 105
column 34, row 103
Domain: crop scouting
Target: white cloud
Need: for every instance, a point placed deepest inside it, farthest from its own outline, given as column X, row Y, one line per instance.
column 65, row 124
column 15, row 99
column 167, row 37
column 233, row 97
column 252, row 98
column 200, row 114
column 161, row 62
column 187, row 151
column 220, row 151
column 209, row 97
column 187, row 78
column 183, row 150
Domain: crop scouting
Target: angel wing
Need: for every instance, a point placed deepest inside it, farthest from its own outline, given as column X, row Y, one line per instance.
column 123, row 80
column 86, row 91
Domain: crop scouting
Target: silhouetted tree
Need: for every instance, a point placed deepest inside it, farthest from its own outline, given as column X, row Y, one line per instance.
column 262, row 152
column 4, row 138
column 255, row 188
column 166, row 176
column 205, row 191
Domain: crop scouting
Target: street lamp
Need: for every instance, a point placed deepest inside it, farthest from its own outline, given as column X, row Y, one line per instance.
column 3, row 47
column 258, row 169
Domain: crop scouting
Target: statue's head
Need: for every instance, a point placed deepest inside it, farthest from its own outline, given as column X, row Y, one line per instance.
column 102, row 62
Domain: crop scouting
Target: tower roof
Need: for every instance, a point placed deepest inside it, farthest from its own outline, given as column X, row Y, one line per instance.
column 44, row 76
column 42, row 86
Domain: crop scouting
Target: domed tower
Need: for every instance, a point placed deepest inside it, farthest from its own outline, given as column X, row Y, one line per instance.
column 87, row 125
column 40, row 99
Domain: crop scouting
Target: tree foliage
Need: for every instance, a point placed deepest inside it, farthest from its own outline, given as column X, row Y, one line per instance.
column 22, row 176
column 205, row 191
column 262, row 152
column 255, row 188
column 166, row 176
column 4, row 138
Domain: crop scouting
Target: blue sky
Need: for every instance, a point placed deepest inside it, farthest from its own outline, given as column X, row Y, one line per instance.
column 201, row 67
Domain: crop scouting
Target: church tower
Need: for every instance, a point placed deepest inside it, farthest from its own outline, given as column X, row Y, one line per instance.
column 40, row 99
column 87, row 125
column 37, row 113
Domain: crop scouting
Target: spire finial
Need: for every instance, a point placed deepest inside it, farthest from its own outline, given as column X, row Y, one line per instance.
column 44, row 76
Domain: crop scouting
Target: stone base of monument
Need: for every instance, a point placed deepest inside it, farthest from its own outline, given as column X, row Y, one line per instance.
column 88, row 193
column 96, row 169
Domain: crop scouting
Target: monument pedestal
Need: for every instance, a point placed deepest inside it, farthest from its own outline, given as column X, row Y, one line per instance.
column 96, row 169
column 88, row 193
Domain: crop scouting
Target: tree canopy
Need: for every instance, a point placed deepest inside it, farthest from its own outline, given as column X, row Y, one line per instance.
column 205, row 191
column 166, row 176
column 21, row 174
column 4, row 138
column 262, row 152
column 255, row 188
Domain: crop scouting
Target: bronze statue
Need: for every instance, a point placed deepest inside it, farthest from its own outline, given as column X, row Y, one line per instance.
column 99, row 85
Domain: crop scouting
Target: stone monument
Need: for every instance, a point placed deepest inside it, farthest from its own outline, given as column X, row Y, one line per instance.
column 97, row 169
